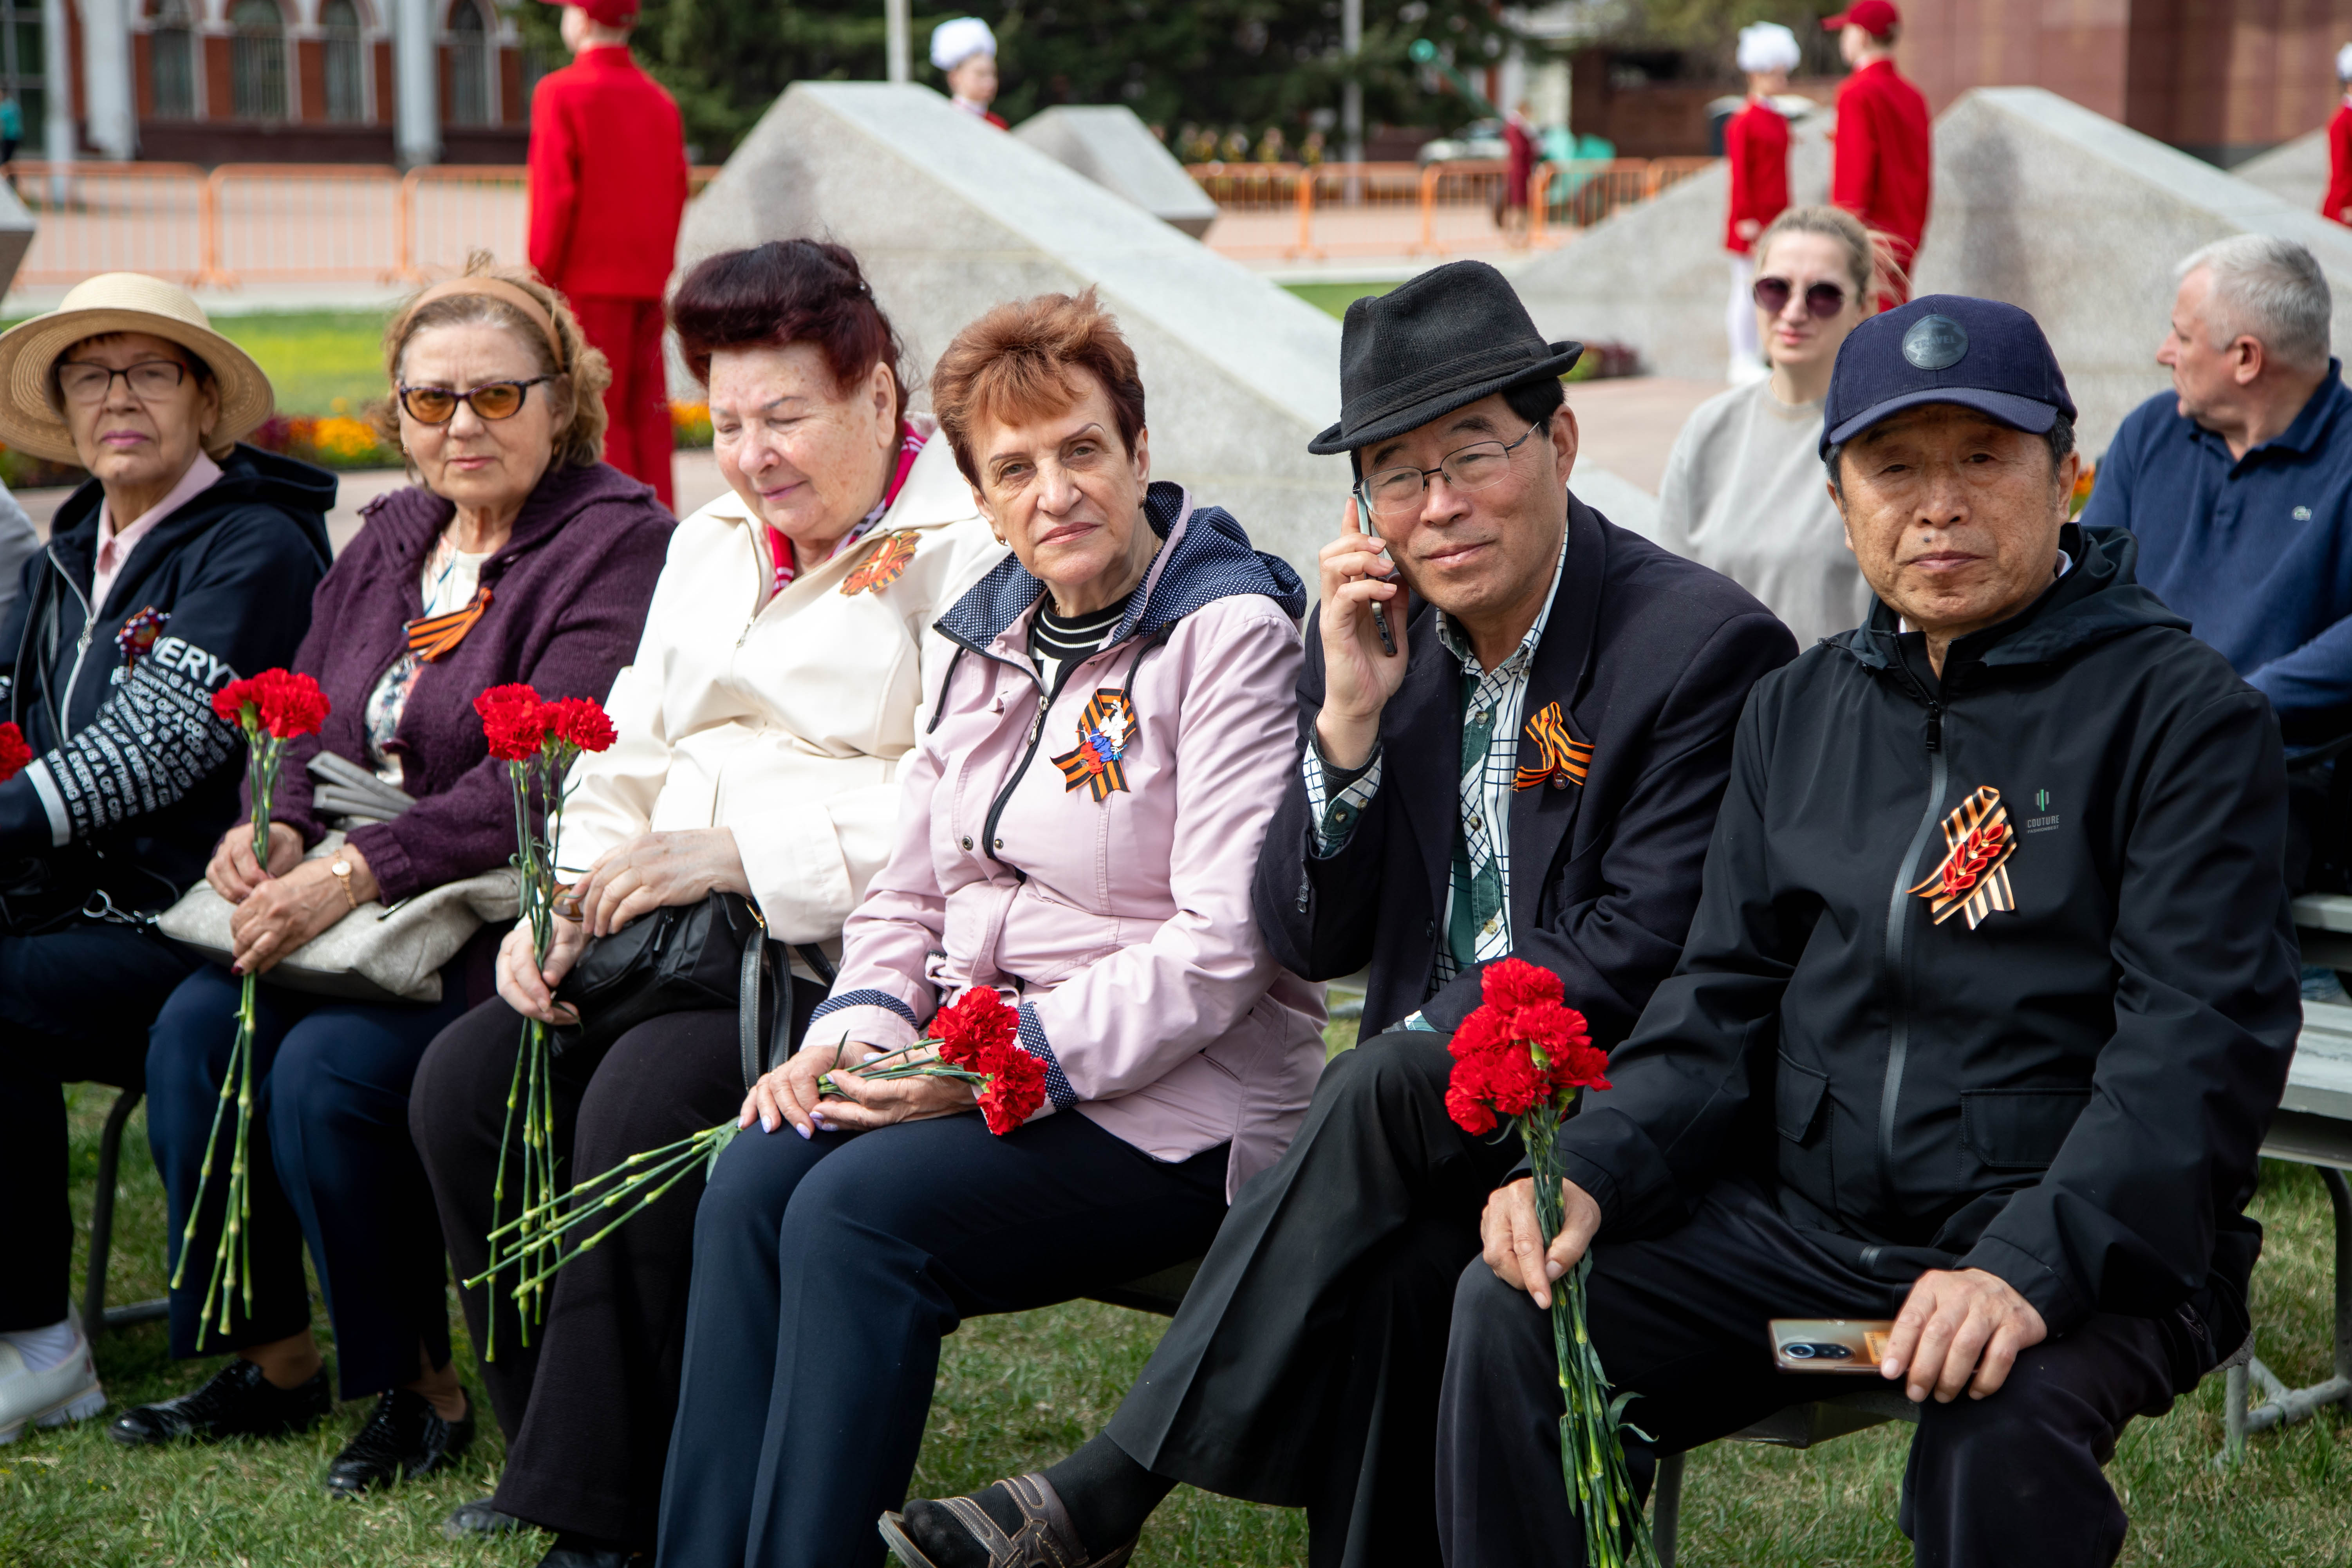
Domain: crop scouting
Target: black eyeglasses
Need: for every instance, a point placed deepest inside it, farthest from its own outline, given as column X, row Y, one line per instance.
column 1396, row 493
column 83, row 382
column 491, row 400
column 1822, row 300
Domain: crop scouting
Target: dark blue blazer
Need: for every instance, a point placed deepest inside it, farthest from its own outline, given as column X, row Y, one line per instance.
column 1650, row 657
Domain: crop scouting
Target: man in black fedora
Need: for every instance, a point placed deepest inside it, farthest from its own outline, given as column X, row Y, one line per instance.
column 1515, row 725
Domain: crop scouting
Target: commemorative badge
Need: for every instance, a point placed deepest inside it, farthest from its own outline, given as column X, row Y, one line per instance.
column 884, row 566
column 1105, row 731
column 1562, row 759
column 1973, row 878
column 138, row 635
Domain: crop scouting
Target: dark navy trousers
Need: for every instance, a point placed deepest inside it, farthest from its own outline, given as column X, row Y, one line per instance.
column 825, row 1273
column 331, row 1163
column 75, row 1004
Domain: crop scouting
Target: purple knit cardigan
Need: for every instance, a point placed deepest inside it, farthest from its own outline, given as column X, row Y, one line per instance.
column 568, row 596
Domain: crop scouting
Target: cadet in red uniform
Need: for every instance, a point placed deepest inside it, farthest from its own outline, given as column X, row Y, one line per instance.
column 966, row 50
column 2337, row 203
column 607, row 191
column 1880, row 171
column 1756, row 144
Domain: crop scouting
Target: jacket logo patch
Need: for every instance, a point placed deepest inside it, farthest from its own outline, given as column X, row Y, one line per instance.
column 1562, row 759
column 1105, row 730
column 137, row 637
column 884, row 566
column 1974, row 875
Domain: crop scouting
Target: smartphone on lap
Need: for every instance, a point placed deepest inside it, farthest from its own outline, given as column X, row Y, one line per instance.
column 1830, row 1345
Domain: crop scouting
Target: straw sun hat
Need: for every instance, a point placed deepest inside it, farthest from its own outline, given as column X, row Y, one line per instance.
column 119, row 302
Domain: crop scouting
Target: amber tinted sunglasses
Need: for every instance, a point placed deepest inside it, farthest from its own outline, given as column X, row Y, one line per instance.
column 1822, row 299
column 491, row 400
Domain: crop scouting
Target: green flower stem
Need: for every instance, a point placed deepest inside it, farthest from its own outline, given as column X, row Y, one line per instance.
column 675, row 1172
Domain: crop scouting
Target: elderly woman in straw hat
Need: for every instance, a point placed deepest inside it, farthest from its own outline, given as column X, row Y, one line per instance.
column 187, row 561
column 519, row 557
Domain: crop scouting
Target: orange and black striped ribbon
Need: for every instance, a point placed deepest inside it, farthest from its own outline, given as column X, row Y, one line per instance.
column 1097, row 761
column 1973, row 877
column 1563, row 759
column 431, row 636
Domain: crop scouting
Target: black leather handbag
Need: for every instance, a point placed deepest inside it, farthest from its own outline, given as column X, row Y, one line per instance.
column 687, row 958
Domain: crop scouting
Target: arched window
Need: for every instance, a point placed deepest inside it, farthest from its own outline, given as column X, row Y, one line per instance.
column 339, row 23
column 470, row 46
column 257, row 60
column 171, row 61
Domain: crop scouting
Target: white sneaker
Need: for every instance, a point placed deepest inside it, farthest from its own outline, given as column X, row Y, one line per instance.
column 66, row 1392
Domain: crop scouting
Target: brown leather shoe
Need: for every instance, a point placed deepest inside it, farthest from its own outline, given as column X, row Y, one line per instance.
column 1046, row 1539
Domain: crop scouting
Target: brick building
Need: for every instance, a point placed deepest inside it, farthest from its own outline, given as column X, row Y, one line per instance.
column 312, row 82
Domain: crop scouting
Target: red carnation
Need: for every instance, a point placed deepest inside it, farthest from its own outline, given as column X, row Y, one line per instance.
column 580, row 722
column 973, row 1028
column 281, row 701
column 14, row 754
column 514, row 721
column 1015, row 1088
column 1516, row 982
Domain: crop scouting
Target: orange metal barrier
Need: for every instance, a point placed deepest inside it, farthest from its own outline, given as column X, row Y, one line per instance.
column 272, row 222
column 1298, row 212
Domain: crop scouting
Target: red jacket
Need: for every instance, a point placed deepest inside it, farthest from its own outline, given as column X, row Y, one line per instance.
column 2339, row 163
column 1881, row 169
column 608, row 178
column 1756, row 142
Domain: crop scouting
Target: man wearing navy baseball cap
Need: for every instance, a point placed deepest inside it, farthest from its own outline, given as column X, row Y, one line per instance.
column 1989, row 999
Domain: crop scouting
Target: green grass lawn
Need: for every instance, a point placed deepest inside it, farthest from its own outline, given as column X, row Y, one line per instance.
column 1016, row 1393
column 1335, row 297
column 313, row 358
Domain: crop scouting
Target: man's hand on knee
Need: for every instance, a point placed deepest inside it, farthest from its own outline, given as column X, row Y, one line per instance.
column 1514, row 1248
column 1955, row 1325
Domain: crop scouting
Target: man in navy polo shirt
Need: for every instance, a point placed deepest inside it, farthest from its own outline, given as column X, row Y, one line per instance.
column 2239, row 484
column 2239, row 480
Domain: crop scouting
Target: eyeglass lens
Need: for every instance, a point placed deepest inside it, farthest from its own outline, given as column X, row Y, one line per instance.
column 86, row 383
column 439, row 404
column 1822, row 300
column 1396, row 493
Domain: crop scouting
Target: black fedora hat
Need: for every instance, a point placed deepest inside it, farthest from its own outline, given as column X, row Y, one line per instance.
column 1430, row 346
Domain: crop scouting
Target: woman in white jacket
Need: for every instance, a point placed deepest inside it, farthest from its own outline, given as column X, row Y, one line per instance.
column 762, row 727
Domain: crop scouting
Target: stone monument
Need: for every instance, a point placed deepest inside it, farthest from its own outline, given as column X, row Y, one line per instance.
column 2082, row 221
column 949, row 217
column 1108, row 144
column 2296, row 171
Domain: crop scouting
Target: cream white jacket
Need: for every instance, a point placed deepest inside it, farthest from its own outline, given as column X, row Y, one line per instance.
column 784, row 718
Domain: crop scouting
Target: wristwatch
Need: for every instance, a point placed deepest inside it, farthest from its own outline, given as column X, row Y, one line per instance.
column 343, row 870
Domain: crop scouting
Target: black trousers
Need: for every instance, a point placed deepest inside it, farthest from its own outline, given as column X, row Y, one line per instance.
column 586, row 1404
column 1304, row 1368
column 75, row 1005
column 329, row 1163
column 826, row 1270
column 1680, row 1320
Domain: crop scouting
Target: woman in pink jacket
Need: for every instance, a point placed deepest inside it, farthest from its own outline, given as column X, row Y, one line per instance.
column 1077, row 830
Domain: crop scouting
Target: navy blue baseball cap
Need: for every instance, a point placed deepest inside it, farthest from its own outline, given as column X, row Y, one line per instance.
column 1945, row 348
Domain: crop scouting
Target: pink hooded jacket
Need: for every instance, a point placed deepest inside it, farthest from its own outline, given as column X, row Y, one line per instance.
column 1112, row 901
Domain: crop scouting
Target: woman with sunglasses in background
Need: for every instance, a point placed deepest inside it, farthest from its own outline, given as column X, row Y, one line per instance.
column 1744, row 492
column 519, row 556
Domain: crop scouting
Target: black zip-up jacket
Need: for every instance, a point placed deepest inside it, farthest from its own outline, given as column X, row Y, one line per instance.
column 2070, row 1095
column 132, row 768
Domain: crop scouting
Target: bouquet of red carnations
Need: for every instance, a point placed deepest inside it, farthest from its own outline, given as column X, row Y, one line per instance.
column 975, row 1038
column 271, row 708
column 539, row 740
column 1523, row 1055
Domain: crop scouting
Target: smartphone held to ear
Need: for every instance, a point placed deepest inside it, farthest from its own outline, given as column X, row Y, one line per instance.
column 1830, row 1345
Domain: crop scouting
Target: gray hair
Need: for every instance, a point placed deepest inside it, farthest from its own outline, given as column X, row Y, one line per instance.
column 2266, row 288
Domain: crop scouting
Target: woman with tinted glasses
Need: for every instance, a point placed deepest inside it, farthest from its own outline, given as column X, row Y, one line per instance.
column 519, row 557
column 1744, row 490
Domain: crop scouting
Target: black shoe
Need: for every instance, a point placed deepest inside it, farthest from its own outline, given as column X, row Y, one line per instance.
column 479, row 1519
column 586, row 1552
column 237, row 1403
column 406, row 1438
